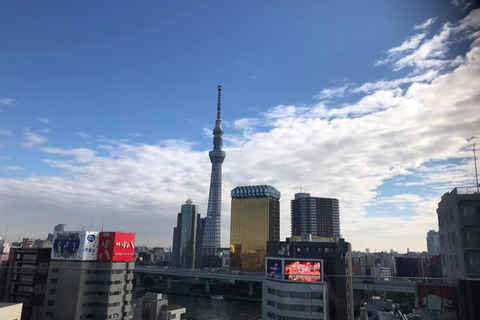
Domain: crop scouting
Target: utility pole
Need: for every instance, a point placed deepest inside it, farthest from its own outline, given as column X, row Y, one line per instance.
column 476, row 172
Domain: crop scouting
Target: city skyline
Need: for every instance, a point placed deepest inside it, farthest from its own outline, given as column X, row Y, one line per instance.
column 387, row 136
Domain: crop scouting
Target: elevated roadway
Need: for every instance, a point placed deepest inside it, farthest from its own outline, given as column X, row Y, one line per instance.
column 359, row 283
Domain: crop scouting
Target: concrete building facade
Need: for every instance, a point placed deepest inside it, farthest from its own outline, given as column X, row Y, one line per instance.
column 152, row 306
column 335, row 255
column 26, row 280
column 316, row 216
column 10, row 311
column 88, row 290
column 459, row 230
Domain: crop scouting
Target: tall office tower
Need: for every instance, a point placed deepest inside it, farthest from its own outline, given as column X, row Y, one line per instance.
column 211, row 236
column 255, row 220
column 187, row 238
column 308, row 278
column 59, row 228
column 27, row 272
column 153, row 306
column 90, row 276
column 316, row 216
column 433, row 242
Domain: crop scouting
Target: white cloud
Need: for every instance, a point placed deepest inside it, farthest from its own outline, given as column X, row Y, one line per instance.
column 5, row 132
column 81, row 155
column 31, row 139
column 7, row 101
column 328, row 93
column 82, row 134
column 425, row 25
column 44, row 130
column 13, row 168
column 2, row 158
column 44, row 120
column 347, row 152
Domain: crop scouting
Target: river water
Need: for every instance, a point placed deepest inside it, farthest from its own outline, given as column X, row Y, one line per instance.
column 208, row 309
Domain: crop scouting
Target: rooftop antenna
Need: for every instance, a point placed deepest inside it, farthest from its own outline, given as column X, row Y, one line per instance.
column 5, row 236
column 475, row 160
column 103, row 222
column 91, row 224
column 219, row 104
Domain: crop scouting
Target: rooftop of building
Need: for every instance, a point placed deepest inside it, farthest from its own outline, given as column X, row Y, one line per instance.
column 306, row 195
column 258, row 191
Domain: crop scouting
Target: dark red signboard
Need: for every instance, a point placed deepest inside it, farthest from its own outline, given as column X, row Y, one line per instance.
column 116, row 246
column 446, row 292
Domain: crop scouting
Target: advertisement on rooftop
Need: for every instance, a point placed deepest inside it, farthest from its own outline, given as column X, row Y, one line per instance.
column 116, row 246
column 303, row 270
column 75, row 246
column 274, row 268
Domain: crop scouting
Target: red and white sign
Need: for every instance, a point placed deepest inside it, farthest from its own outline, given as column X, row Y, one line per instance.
column 116, row 246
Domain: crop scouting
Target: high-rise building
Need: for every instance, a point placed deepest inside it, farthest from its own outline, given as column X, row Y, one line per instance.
column 59, row 228
column 211, row 236
column 255, row 220
column 433, row 242
column 90, row 276
column 459, row 229
column 152, row 306
column 309, row 278
column 26, row 278
column 316, row 216
column 187, row 238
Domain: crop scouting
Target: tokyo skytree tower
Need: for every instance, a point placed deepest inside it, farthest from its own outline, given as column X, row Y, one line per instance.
column 211, row 235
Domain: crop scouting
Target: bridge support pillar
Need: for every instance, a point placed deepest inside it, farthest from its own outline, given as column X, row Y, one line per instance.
column 207, row 286
column 169, row 283
column 250, row 289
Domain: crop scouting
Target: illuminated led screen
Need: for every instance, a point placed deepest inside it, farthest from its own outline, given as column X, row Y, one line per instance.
column 304, row 271
column 274, row 268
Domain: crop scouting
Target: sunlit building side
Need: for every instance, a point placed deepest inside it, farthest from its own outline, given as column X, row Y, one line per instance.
column 255, row 220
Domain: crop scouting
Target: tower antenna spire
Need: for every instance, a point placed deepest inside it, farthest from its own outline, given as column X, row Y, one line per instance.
column 219, row 104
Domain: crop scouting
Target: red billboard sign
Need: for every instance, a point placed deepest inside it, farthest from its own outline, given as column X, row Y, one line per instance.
column 303, row 270
column 116, row 246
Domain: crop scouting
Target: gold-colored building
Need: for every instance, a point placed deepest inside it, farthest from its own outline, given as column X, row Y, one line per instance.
column 255, row 220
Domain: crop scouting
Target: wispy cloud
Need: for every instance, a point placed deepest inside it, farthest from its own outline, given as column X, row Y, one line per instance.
column 82, row 134
column 7, row 101
column 134, row 135
column 82, row 155
column 425, row 25
column 44, row 130
column 44, row 120
column 12, row 168
column 334, row 92
column 5, row 132
column 3, row 158
column 31, row 139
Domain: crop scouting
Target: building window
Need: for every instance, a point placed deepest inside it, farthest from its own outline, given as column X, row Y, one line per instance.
column 49, row 314
column 51, row 303
column 53, row 291
column 55, row 270
column 54, row 280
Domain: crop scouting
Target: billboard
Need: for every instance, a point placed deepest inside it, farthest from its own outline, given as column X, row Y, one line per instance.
column 116, row 246
column 303, row 270
column 447, row 293
column 274, row 268
column 75, row 246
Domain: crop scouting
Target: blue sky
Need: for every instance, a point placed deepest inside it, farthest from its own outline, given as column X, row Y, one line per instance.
column 110, row 79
